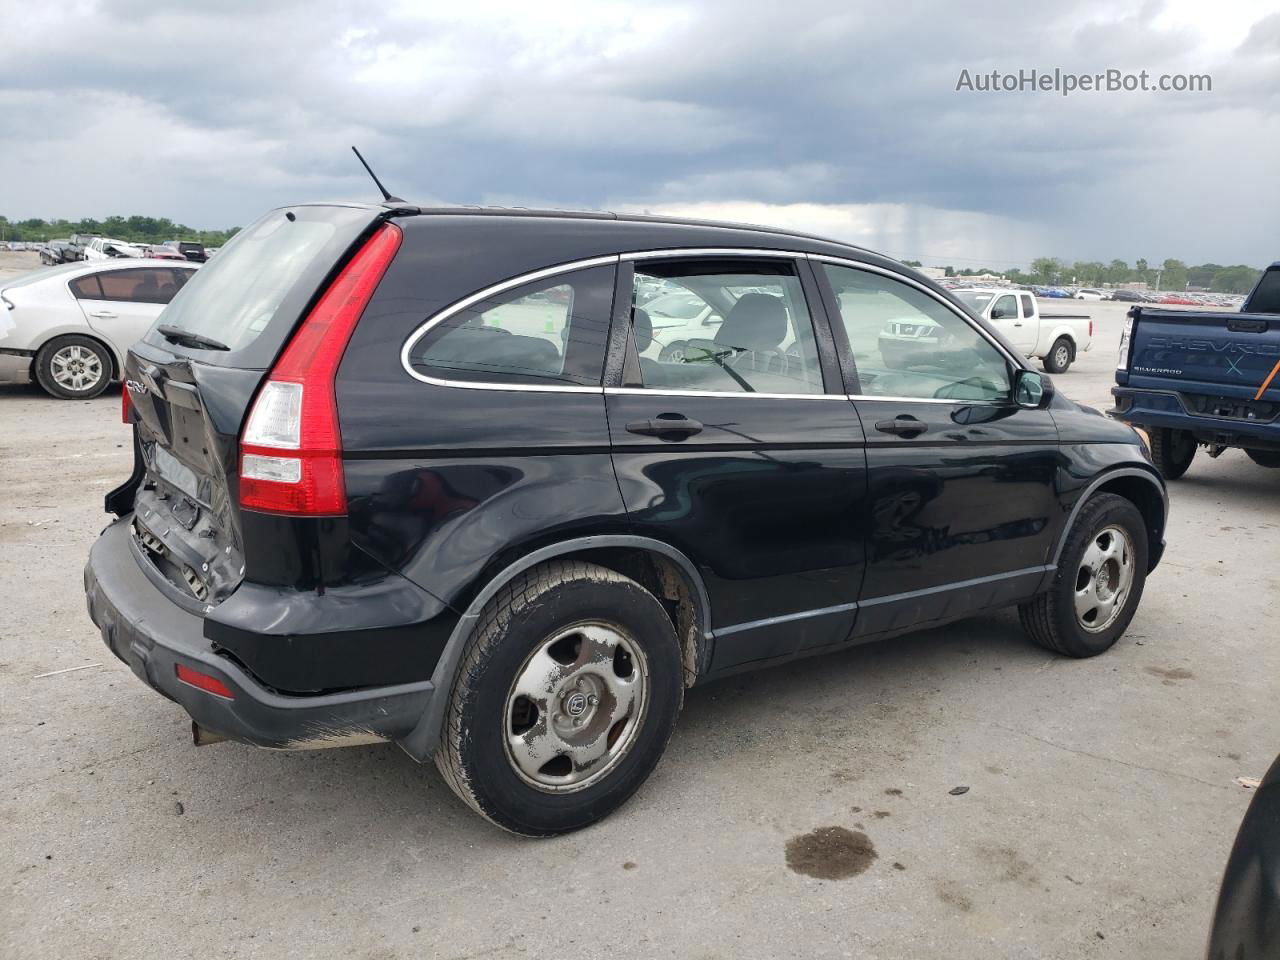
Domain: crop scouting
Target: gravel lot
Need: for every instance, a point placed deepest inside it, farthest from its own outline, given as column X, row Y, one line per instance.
column 1101, row 806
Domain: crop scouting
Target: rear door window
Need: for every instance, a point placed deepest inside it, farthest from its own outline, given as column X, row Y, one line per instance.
column 1028, row 307
column 742, row 327
column 549, row 332
column 139, row 286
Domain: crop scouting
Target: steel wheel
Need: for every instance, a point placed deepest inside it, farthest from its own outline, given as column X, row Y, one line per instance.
column 1104, row 579
column 575, row 707
column 75, row 367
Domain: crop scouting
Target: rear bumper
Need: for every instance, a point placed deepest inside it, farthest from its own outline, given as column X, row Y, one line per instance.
column 1158, row 408
column 153, row 636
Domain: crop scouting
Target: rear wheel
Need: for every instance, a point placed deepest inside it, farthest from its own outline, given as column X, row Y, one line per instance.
column 564, row 701
column 1264, row 458
column 1098, row 584
column 1172, row 451
column 1059, row 356
column 73, row 367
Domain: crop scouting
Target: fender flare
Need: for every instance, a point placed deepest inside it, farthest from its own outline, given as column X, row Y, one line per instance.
column 1094, row 484
column 420, row 743
column 1057, row 333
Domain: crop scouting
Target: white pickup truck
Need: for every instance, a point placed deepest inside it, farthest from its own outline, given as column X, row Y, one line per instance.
column 1055, row 339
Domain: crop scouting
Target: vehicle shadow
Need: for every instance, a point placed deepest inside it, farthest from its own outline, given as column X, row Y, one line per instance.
column 821, row 703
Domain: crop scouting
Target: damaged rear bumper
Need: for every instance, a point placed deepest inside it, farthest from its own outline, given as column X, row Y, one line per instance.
column 154, row 636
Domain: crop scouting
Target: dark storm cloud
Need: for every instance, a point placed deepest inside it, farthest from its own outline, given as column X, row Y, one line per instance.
column 210, row 113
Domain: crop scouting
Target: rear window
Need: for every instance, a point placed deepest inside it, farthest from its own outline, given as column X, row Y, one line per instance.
column 253, row 294
column 1266, row 298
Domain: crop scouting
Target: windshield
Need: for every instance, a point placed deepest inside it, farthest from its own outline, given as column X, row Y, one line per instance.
column 678, row 306
column 975, row 301
column 234, row 299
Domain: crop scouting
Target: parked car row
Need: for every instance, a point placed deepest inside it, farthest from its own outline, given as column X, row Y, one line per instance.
column 94, row 247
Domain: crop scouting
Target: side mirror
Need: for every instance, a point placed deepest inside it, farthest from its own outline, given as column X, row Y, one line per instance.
column 1031, row 389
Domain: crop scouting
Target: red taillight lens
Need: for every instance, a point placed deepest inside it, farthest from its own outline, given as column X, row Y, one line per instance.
column 291, row 449
column 124, row 404
column 204, row 682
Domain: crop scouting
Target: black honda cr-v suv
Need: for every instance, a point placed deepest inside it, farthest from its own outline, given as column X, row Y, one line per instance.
column 499, row 485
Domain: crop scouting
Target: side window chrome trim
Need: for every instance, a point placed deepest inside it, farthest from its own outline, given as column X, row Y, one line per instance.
column 872, row 268
column 714, row 252
column 741, row 395
column 863, row 397
column 484, row 294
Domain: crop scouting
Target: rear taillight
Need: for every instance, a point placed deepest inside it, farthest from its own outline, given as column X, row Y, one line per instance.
column 202, row 681
column 291, row 449
column 124, row 404
column 1090, row 329
column 1122, row 362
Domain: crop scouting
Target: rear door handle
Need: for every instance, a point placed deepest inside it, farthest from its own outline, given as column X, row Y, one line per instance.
column 661, row 426
column 904, row 425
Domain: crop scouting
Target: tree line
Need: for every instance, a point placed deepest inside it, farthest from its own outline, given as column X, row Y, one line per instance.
column 131, row 229
column 1169, row 275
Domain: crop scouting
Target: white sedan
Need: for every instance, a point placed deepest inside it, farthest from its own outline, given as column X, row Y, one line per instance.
column 68, row 327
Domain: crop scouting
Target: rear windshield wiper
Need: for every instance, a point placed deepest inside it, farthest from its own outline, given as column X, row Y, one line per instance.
column 189, row 339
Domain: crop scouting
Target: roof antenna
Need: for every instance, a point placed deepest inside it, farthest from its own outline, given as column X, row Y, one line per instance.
column 385, row 194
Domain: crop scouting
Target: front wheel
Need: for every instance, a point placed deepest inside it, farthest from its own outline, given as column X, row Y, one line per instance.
column 1098, row 583
column 1059, row 356
column 1264, row 458
column 1172, row 451
column 564, row 700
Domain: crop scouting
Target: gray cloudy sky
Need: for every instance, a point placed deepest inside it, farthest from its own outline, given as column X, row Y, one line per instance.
column 839, row 117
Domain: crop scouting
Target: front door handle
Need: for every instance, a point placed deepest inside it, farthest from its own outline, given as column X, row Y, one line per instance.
column 903, row 425
column 104, row 315
column 674, row 426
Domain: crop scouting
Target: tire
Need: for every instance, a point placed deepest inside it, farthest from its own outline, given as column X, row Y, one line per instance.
column 1059, row 356
column 494, row 736
column 65, row 361
column 1056, row 619
column 1264, row 458
column 674, row 352
column 1172, row 451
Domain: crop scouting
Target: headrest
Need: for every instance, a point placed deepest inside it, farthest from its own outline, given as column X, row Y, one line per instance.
column 641, row 328
column 758, row 321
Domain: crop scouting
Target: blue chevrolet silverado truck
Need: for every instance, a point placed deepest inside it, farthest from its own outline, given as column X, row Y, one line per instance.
column 1195, row 378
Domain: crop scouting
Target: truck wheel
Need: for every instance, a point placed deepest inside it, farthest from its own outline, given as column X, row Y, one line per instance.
column 564, row 701
column 1059, row 356
column 1172, row 451
column 1264, row 458
column 1098, row 584
column 73, row 368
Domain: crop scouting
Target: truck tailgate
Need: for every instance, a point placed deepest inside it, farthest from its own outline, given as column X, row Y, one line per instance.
column 1229, row 355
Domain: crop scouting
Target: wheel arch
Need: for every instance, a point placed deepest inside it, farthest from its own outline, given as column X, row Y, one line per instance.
column 117, row 361
column 1139, row 486
column 1064, row 332
column 661, row 568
